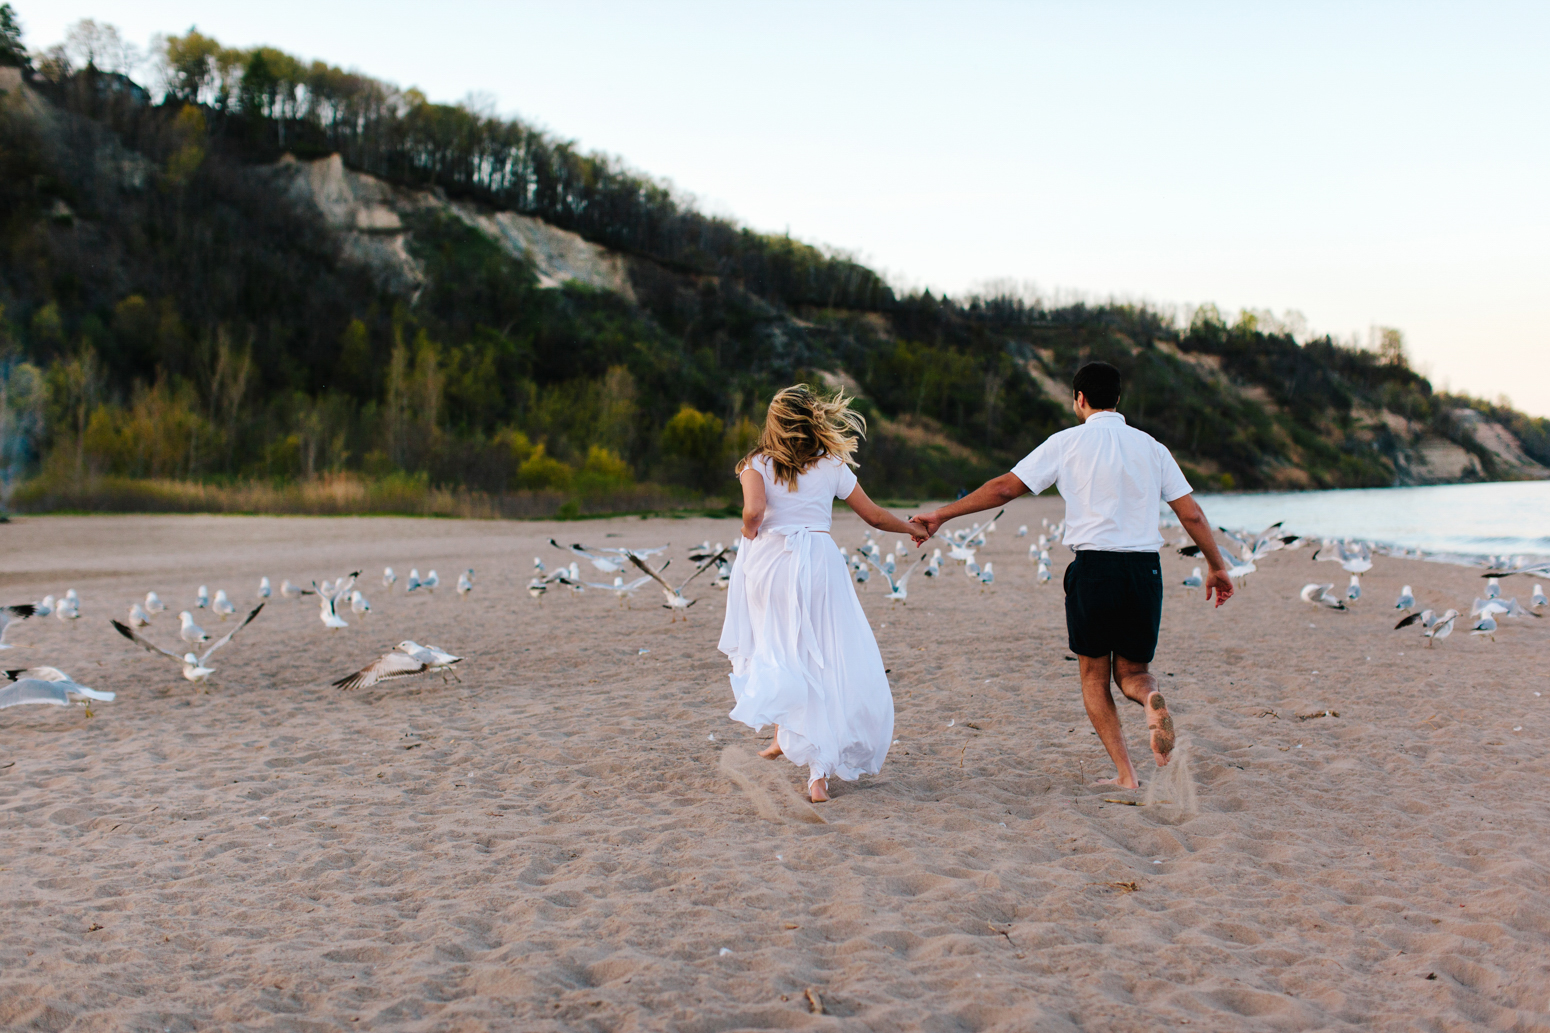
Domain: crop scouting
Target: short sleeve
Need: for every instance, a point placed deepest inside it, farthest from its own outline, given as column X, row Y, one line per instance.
column 1174, row 486
column 845, row 483
column 1041, row 467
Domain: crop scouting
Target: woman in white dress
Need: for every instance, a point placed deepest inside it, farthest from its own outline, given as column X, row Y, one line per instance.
column 803, row 655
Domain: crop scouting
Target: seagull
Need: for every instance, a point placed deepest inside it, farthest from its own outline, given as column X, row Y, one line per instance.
column 1042, row 574
column 1485, row 626
column 988, row 575
column 620, row 587
column 153, row 603
column 1493, row 588
column 1044, row 556
column 1319, row 595
column 414, row 580
column 1353, row 591
column 1488, row 606
column 971, row 568
column 358, row 603
column 10, row 615
column 222, row 605
column 202, row 600
column 863, row 574
column 1538, row 598
column 962, row 549
column 328, row 602
column 264, row 591
column 1522, row 566
column 1442, row 629
column 898, row 590
column 388, row 577
column 674, row 596
column 1033, row 552
column 1022, row 530
column 536, row 588
column 1239, row 571
column 47, row 685
column 612, row 561
column 888, row 565
column 45, row 606
column 411, row 659
column 1406, row 600
column 68, row 608
column 1426, row 618
column 430, row 582
column 1354, row 559
column 191, row 632
column 465, row 582
column 138, row 618
column 1511, row 608
column 1252, row 547
column 291, row 591
column 194, row 667
column 1194, row 580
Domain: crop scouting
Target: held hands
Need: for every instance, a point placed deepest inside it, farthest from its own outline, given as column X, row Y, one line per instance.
column 1218, row 581
column 923, row 526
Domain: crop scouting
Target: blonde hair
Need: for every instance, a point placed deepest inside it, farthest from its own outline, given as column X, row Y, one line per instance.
column 801, row 428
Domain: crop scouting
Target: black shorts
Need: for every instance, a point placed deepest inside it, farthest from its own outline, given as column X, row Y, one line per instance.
column 1114, row 604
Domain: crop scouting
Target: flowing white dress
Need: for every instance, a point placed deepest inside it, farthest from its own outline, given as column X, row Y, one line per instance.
column 803, row 655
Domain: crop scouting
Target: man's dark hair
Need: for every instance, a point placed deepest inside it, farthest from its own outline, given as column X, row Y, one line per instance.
column 1099, row 382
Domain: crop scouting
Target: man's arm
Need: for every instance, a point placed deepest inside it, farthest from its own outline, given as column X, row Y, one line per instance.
column 1198, row 528
column 995, row 492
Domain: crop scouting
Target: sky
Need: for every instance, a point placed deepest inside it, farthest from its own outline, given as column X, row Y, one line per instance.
column 1362, row 164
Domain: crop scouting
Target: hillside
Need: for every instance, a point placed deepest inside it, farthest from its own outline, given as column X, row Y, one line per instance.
column 291, row 275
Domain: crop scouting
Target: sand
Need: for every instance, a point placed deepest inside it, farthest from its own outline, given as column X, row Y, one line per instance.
column 576, row 838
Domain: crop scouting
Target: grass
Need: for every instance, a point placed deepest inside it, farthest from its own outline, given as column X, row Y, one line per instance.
column 347, row 495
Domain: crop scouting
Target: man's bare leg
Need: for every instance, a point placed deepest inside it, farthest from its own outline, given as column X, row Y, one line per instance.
column 774, row 748
column 1138, row 685
column 1098, row 700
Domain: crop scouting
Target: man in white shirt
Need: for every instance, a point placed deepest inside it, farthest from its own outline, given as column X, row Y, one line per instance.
column 1114, row 479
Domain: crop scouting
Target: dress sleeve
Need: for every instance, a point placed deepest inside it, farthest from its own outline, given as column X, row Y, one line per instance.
column 1041, row 467
column 1174, row 486
column 845, row 483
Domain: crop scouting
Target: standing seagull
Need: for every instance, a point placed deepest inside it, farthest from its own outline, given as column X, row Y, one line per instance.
column 222, row 605
column 1538, row 600
column 138, row 618
column 68, row 608
column 1354, row 591
column 674, row 596
column 202, row 600
column 414, row 580
column 1485, row 626
column 1194, row 580
column 411, row 659
column 191, row 632
column 291, row 591
column 1493, row 588
column 1406, row 600
column 195, row 668
column 430, row 582
column 264, row 590
column 465, row 582
column 43, row 607
column 10, row 615
column 153, row 603
column 388, row 577
column 358, row 603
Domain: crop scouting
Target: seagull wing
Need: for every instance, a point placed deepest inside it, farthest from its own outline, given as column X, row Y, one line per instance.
column 20, row 612
column 227, row 637
column 1190, row 550
column 701, row 569
column 1236, row 537
column 633, row 585
column 342, row 589
column 654, row 575
column 1407, row 621
column 148, row 646
column 33, row 690
column 918, row 561
column 390, row 665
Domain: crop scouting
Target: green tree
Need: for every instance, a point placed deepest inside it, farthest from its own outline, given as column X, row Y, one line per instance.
column 12, row 53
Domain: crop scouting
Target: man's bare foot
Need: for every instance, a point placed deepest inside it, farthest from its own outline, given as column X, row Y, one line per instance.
column 818, row 790
column 1118, row 782
column 1160, row 723
column 771, row 753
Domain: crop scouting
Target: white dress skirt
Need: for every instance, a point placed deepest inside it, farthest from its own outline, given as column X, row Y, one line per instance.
column 803, row 655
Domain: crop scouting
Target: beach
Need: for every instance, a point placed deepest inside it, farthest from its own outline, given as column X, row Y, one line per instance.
column 575, row 837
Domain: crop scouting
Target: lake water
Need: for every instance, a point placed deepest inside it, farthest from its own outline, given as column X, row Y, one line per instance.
column 1500, row 519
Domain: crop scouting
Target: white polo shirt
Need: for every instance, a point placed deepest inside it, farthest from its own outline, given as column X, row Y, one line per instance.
column 1114, row 479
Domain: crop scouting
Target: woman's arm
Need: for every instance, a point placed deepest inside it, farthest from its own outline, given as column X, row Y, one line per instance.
column 876, row 515
column 753, row 502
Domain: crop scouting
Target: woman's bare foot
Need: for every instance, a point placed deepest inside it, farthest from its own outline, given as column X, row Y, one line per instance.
column 1160, row 724
column 1118, row 782
column 818, row 790
column 771, row 753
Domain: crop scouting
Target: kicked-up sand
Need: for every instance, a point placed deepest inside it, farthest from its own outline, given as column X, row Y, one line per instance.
column 575, row 837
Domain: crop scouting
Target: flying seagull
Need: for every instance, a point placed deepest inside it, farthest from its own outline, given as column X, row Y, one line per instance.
column 1319, row 595
column 1442, row 629
column 195, row 668
column 674, row 596
column 328, row 602
column 898, row 588
column 410, row 659
column 48, row 685
column 10, row 615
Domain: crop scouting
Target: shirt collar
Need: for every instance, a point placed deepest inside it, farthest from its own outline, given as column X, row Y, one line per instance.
column 1101, row 415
